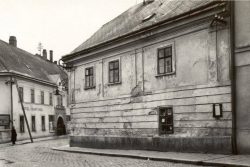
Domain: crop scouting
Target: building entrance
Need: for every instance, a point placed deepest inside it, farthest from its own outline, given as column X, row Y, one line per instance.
column 60, row 129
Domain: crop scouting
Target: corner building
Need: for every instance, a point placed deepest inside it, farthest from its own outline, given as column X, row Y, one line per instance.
column 157, row 77
column 37, row 79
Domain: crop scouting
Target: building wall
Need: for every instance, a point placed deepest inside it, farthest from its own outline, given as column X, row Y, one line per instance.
column 5, row 107
column 125, row 115
column 242, row 56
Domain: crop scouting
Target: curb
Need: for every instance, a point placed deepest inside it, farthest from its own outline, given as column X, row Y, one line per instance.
column 193, row 162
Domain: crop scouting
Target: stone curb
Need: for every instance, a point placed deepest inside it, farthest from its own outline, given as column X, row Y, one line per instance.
column 193, row 162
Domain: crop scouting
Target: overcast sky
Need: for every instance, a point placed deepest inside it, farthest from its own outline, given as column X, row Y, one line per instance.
column 60, row 25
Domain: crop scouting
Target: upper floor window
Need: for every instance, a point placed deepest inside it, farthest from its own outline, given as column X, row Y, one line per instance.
column 89, row 77
column 20, row 93
column 42, row 97
column 60, row 100
column 50, row 99
column 32, row 95
column 114, row 71
column 164, row 60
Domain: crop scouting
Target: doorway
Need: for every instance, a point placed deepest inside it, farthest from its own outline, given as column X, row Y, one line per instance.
column 60, row 129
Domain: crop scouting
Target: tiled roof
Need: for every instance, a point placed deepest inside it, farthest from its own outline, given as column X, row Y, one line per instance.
column 18, row 61
column 138, row 17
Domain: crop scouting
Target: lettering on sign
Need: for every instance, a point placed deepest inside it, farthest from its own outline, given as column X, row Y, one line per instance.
column 32, row 109
column 4, row 120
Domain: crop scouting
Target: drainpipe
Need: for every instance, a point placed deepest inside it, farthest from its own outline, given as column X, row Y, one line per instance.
column 11, row 103
column 233, row 78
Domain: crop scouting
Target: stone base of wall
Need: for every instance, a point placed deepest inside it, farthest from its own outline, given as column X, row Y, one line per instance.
column 201, row 144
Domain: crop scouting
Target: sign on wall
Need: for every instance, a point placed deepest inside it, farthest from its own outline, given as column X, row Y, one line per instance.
column 4, row 120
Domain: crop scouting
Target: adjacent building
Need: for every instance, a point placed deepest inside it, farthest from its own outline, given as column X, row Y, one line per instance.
column 158, row 77
column 42, row 86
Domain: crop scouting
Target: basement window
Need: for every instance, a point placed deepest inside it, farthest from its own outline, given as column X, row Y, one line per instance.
column 166, row 120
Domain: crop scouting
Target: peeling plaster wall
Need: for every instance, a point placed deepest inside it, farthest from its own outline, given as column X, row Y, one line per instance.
column 129, row 109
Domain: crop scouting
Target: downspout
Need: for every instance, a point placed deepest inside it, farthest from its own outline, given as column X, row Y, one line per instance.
column 11, row 103
column 233, row 78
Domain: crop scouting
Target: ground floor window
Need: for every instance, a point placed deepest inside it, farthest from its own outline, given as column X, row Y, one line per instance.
column 51, row 123
column 21, row 124
column 43, row 123
column 33, row 123
column 166, row 120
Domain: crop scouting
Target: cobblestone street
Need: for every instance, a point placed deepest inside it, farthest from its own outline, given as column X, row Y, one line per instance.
column 40, row 154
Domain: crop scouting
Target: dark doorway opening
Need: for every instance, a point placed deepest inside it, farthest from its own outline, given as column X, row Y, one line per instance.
column 60, row 129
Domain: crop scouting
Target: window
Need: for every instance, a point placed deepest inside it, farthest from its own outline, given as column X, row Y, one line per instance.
column 21, row 124
column 42, row 97
column 114, row 71
column 68, row 118
column 32, row 95
column 165, row 60
column 166, row 120
column 59, row 100
column 20, row 93
column 50, row 99
column 33, row 123
column 89, row 77
column 43, row 123
column 51, row 123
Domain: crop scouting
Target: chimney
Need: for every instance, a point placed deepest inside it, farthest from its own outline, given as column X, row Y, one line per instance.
column 51, row 55
column 45, row 54
column 12, row 41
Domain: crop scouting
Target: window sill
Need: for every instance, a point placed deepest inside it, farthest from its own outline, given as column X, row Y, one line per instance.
column 115, row 83
column 87, row 88
column 166, row 74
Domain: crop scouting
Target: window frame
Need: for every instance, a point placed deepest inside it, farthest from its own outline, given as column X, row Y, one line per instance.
column 113, row 70
column 20, row 89
column 32, row 96
column 33, row 128
column 42, row 97
column 43, row 123
column 173, row 58
column 50, row 99
column 166, row 117
column 22, row 124
column 87, row 76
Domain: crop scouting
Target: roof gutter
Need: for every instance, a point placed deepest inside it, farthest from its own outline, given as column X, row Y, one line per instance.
column 12, row 74
column 185, row 15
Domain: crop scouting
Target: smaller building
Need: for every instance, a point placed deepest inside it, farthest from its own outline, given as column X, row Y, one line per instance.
column 42, row 86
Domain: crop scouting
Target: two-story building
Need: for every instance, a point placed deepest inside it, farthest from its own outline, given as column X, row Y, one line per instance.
column 156, row 77
column 41, row 84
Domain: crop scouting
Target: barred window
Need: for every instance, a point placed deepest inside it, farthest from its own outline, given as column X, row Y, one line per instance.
column 166, row 120
column 165, row 60
column 89, row 77
column 114, row 71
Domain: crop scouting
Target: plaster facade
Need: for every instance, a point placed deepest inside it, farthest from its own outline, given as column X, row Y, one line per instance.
column 126, row 114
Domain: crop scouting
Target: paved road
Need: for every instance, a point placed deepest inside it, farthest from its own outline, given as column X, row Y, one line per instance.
column 40, row 154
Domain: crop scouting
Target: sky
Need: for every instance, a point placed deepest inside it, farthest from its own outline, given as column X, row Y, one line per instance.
column 60, row 25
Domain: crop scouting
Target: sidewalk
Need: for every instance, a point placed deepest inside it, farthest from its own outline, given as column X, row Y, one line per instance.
column 187, row 158
column 21, row 142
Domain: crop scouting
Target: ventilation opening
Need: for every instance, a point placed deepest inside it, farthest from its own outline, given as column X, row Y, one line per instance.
column 148, row 17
